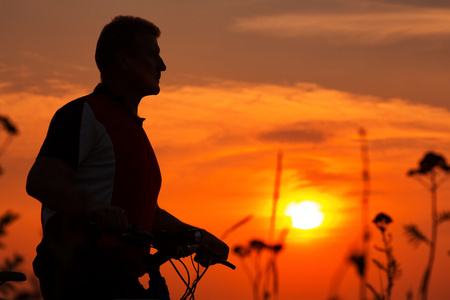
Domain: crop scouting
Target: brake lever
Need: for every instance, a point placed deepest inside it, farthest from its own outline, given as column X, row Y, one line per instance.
column 215, row 261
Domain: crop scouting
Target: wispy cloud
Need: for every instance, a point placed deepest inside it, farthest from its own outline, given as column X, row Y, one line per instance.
column 361, row 28
column 293, row 136
column 36, row 73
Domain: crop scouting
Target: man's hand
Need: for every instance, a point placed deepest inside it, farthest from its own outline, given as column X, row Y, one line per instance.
column 108, row 218
column 212, row 250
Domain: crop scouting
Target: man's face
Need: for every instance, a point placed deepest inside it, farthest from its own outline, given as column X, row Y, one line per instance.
column 146, row 65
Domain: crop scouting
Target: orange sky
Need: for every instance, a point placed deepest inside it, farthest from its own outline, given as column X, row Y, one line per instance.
column 225, row 112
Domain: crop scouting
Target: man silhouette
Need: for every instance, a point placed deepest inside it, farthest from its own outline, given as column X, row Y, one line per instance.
column 97, row 162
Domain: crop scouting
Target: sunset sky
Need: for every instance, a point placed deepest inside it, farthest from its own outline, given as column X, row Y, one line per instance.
column 245, row 80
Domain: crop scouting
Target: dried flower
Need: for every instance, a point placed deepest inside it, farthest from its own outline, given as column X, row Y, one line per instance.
column 381, row 221
column 277, row 248
column 257, row 245
column 429, row 162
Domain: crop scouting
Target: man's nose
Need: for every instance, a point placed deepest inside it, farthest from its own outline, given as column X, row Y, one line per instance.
column 162, row 65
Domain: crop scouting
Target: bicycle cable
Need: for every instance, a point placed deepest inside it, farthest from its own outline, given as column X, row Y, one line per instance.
column 189, row 293
column 199, row 276
column 187, row 282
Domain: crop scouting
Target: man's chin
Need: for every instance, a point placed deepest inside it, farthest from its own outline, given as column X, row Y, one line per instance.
column 154, row 90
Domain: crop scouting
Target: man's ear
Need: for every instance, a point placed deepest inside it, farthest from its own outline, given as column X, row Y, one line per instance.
column 122, row 60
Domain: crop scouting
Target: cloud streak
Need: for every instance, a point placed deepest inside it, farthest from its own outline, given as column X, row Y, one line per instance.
column 294, row 136
column 360, row 28
column 36, row 73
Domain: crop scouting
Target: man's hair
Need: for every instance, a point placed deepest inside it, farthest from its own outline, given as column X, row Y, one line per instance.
column 119, row 35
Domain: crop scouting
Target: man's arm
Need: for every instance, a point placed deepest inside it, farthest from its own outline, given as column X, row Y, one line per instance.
column 163, row 220
column 49, row 181
column 214, row 246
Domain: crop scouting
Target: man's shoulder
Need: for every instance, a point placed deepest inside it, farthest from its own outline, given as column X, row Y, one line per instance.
column 77, row 105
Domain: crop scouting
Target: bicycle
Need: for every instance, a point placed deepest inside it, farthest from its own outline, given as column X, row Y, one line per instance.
column 169, row 245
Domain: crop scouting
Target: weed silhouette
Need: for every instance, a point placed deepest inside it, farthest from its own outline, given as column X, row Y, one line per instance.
column 11, row 131
column 9, row 263
column 259, row 258
column 391, row 268
column 361, row 260
column 431, row 173
column 263, row 273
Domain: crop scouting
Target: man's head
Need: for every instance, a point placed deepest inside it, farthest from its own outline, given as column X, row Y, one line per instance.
column 128, row 45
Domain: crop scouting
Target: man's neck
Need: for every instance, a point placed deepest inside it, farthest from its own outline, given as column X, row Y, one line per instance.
column 131, row 100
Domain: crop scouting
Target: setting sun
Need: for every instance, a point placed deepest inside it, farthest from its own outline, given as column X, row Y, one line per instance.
column 305, row 214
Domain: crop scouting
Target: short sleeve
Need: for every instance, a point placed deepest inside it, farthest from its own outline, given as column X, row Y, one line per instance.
column 63, row 136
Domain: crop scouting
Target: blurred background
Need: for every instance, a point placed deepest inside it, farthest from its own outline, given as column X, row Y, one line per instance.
column 328, row 101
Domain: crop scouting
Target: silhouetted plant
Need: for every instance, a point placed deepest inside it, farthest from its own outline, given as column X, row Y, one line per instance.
column 9, row 127
column 6, row 220
column 11, row 130
column 391, row 267
column 9, row 289
column 8, row 264
column 263, row 277
column 432, row 172
column 33, row 293
column 358, row 258
column 359, row 261
column 365, row 219
column 264, row 274
column 236, row 226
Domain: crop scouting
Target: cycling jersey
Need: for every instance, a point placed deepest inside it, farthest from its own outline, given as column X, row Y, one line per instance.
column 109, row 150
column 113, row 161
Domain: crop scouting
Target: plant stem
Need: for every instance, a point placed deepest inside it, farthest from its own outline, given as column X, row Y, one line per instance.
column 389, row 266
column 364, row 210
column 434, row 224
column 276, row 195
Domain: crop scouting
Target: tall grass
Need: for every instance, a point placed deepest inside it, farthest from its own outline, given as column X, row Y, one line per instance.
column 258, row 257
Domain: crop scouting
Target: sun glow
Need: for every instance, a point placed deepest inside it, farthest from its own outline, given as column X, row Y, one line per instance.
column 305, row 214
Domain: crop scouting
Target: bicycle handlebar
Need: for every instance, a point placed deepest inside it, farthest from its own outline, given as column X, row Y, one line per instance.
column 170, row 244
